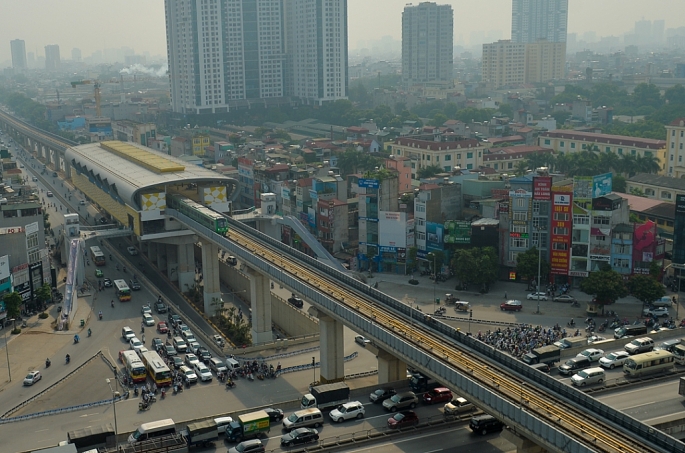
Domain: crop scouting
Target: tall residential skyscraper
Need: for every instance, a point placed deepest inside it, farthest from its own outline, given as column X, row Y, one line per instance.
column 427, row 43
column 532, row 20
column 316, row 49
column 224, row 53
column 76, row 54
column 52, row 60
column 18, row 47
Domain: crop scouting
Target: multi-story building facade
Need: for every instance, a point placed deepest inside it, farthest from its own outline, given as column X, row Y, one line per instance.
column 224, row 53
column 622, row 248
column 133, row 131
column 332, row 217
column 462, row 153
column 545, row 61
column 566, row 141
column 18, row 48
column 675, row 142
column 52, row 59
column 657, row 187
column 427, row 43
column 376, row 195
column 435, row 204
column 509, row 63
column 505, row 159
column 316, row 48
column 532, row 20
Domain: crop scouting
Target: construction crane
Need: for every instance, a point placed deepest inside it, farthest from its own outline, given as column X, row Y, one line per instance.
column 96, row 85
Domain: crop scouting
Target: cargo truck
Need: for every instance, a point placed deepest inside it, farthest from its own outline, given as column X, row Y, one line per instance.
column 681, row 386
column 201, row 433
column 571, row 342
column 326, row 395
column 546, row 354
column 248, row 426
column 95, row 436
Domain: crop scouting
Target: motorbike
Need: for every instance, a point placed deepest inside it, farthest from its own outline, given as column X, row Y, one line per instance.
column 230, row 384
column 47, row 363
column 90, row 332
column 143, row 406
column 571, row 323
column 100, row 316
column 135, row 390
column 76, row 339
column 163, row 393
column 68, row 358
column 575, row 303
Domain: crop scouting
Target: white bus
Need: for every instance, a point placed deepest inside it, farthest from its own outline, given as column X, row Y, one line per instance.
column 135, row 368
column 97, row 256
column 152, row 429
column 648, row 363
column 123, row 291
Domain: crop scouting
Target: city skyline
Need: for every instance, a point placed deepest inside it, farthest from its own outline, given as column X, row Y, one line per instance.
column 145, row 30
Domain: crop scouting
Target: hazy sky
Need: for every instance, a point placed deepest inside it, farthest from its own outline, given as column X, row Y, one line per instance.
column 97, row 24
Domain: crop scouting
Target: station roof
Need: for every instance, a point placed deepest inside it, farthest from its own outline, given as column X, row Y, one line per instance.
column 131, row 168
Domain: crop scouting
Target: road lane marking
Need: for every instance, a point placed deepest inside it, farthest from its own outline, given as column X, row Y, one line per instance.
column 638, row 405
column 41, row 430
column 89, row 415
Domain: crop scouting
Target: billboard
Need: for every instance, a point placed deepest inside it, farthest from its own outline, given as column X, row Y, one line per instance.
column 582, row 188
column 601, row 185
column 4, row 267
column 434, row 236
column 542, row 188
column 392, row 229
column 561, row 230
column 368, row 183
column 457, row 232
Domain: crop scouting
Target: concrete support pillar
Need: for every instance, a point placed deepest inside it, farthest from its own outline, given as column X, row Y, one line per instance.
column 152, row 251
column 390, row 368
column 172, row 262
column 332, row 349
column 260, row 302
column 523, row 445
column 210, row 277
column 186, row 266
column 161, row 257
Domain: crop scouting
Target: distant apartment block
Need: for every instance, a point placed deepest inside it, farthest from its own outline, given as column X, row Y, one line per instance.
column 133, row 131
column 465, row 154
column 18, row 48
column 508, row 63
column 532, row 20
column 52, row 59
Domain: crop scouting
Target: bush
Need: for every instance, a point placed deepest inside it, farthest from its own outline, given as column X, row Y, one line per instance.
column 43, row 315
column 16, row 331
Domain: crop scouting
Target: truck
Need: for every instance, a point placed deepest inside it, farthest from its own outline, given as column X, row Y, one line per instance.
column 173, row 443
column 248, row 426
column 546, row 354
column 571, row 342
column 95, row 436
column 326, row 395
column 681, row 386
column 420, row 383
column 201, row 433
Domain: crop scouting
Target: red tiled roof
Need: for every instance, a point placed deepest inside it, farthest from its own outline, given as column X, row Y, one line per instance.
column 676, row 122
column 511, row 138
column 438, row 146
column 624, row 140
column 358, row 130
column 514, row 153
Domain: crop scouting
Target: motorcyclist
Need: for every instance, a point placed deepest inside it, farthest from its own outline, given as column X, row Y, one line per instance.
column 100, row 314
column 76, row 338
column 47, row 363
column 572, row 323
column 112, row 302
column 68, row 358
column 89, row 332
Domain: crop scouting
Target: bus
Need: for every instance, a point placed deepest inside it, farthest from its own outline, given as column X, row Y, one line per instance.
column 135, row 367
column 157, row 369
column 123, row 291
column 649, row 363
column 97, row 256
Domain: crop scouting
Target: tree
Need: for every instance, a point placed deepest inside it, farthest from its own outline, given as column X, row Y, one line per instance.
column 429, row 171
column 527, row 265
column 464, row 265
column 521, row 167
column 12, row 304
column 436, row 260
column 646, row 94
column 646, row 289
column 675, row 94
column 44, row 294
column 411, row 258
column 606, row 285
column 475, row 266
column 618, row 183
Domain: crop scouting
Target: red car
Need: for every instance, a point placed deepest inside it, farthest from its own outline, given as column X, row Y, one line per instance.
column 511, row 305
column 403, row 419
column 437, row 395
column 162, row 327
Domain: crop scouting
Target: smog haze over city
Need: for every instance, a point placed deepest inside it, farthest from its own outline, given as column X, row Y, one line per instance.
column 139, row 25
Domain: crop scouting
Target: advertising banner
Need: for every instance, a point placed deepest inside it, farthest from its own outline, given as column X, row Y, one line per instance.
column 542, row 188
column 457, row 232
column 4, row 267
column 368, row 183
column 601, row 185
column 434, row 236
column 561, row 231
column 582, row 188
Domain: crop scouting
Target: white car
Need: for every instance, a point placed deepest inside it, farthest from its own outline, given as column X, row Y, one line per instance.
column 191, row 360
column 132, row 250
column 135, row 344
column 614, row 359
column 148, row 320
column 594, row 339
column 362, row 340
column 32, row 378
column 146, row 309
column 203, row 372
column 593, row 354
column 348, row 411
column 537, row 296
column 656, row 311
column 127, row 333
column 193, row 344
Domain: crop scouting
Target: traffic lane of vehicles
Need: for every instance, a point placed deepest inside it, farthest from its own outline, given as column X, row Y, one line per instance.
column 648, row 402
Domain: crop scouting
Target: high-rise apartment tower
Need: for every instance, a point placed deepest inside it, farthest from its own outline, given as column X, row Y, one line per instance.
column 18, row 47
column 532, row 20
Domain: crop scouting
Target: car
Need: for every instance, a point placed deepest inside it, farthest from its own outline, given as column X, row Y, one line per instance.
column 296, row 301
column 594, row 339
column 593, row 354
column 401, row 401
column 457, row 406
column 82, row 202
column 146, row 309
column 203, row 354
column 483, row 424
column 107, row 282
column 99, row 273
column 178, row 362
column 160, row 307
column 188, row 335
column 299, row 436
column 614, row 359
column 659, row 329
column 511, row 305
column 169, row 350
column 135, row 343
column 192, row 344
column 545, row 368
column 537, row 296
column 132, row 250
column 564, row 298
column 32, row 377
column 157, row 343
column 135, row 286
column 21, row 165
column 180, row 344
column 203, row 372
column 437, row 395
column 218, row 340
column 174, row 319
column 362, row 340
column 248, row 446
column 188, row 373
column 347, row 411
column 127, row 333
column 49, row 194
column 103, row 220
column 148, row 319
column 275, row 415
column 380, row 395
column 656, row 311
column 403, row 419
column 668, row 345
column 34, row 179
column 182, row 327
column 162, row 327
column 191, row 360
column 217, row 365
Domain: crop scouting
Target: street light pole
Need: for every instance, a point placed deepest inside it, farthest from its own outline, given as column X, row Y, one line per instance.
column 7, row 352
column 538, row 282
column 435, row 280
column 114, row 405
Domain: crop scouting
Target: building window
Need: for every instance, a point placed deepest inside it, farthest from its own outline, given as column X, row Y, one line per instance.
column 448, row 157
column 620, row 150
column 519, row 243
column 561, row 216
column 513, row 256
column 519, row 228
column 520, row 203
column 469, row 155
column 666, row 195
column 521, row 216
column 581, row 220
column 621, row 262
column 573, row 145
column 600, row 221
column 559, row 246
column 547, row 142
column 561, row 231
column 561, row 144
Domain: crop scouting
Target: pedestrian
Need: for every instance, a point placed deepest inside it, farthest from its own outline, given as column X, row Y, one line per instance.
column 505, row 295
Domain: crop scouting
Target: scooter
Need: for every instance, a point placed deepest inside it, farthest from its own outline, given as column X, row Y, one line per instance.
column 143, row 406
column 89, row 332
column 47, row 363
column 76, row 339
column 230, row 384
column 68, row 358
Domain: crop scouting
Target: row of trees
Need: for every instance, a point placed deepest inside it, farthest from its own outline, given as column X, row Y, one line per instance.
column 590, row 162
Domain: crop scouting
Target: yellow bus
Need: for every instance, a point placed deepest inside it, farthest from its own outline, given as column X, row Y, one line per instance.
column 97, row 256
column 157, row 369
column 135, row 367
column 649, row 363
column 123, row 291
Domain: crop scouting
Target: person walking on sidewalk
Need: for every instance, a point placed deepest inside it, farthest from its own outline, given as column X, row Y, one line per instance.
column 505, row 295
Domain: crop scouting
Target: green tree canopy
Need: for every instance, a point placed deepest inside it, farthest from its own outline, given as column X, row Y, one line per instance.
column 429, row 171
column 12, row 304
column 527, row 264
column 646, row 289
column 606, row 285
column 477, row 266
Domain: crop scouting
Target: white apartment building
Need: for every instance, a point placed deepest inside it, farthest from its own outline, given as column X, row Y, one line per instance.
column 507, row 62
column 316, row 48
column 675, row 141
column 224, row 53
column 532, row 20
column 427, row 43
